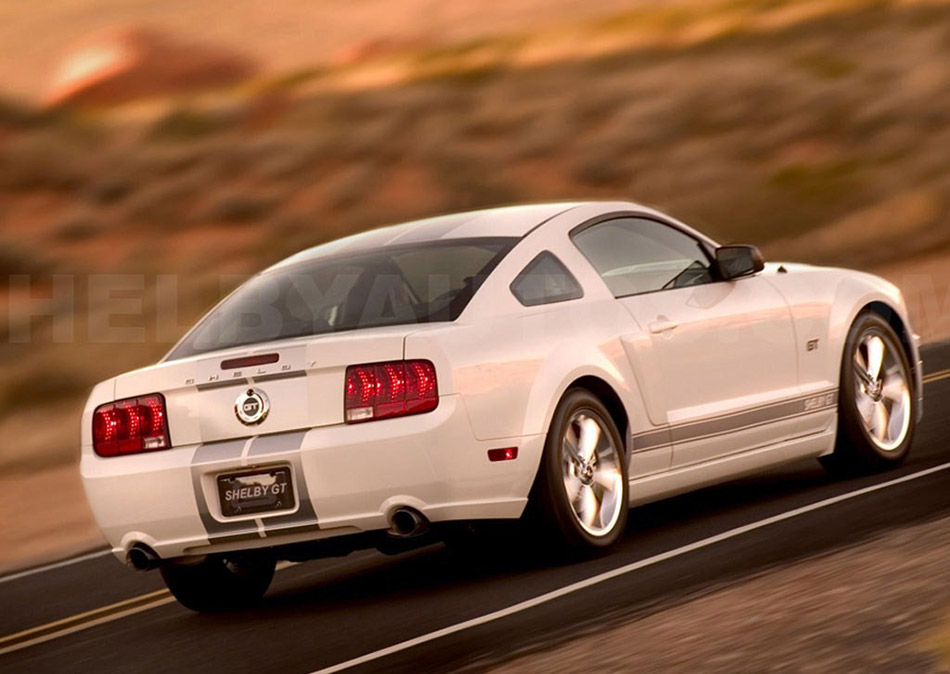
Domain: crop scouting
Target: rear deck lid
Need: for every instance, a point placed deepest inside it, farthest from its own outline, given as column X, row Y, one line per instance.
column 301, row 383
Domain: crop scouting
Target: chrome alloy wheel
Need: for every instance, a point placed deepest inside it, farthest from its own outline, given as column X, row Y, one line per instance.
column 593, row 479
column 882, row 391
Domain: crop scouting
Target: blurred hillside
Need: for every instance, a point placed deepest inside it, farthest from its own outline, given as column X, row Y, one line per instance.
column 816, row 128
column 284, row 35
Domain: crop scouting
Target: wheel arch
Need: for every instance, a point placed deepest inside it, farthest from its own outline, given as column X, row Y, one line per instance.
column 598, row 385
column 610, row 381
column 896, row 321
column 606, row 394
column 856, row 293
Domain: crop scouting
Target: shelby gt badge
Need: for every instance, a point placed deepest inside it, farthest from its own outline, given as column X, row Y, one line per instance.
column 251, row 407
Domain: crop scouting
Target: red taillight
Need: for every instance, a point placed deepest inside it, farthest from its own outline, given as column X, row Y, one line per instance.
column 130, row 426
column 393, row 389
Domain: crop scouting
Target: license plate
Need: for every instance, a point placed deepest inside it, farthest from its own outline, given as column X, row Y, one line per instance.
column 256, row 491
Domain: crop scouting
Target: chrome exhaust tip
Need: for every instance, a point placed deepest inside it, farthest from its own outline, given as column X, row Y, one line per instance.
column 142, row 558
column 407, row 522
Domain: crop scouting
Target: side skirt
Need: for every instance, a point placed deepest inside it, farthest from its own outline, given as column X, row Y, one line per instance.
column 696, row 476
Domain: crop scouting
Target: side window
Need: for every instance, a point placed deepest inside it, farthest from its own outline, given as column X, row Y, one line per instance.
column 637, row 255
column 545, row 280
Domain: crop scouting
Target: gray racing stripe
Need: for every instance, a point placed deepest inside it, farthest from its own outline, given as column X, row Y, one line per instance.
column 231, row 452
column 289, row 445
column 652, row 440
column 215, row 452
column 276, row 443
column 731, row 423
column 219, row 451
column 754, row 417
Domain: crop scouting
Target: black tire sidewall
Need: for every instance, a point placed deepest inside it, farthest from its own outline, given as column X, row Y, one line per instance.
column 210, row 585
column 550, row 496
column 854, row 445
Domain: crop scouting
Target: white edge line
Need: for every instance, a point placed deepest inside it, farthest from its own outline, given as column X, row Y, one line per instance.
column 55, row 565
column 622, row 570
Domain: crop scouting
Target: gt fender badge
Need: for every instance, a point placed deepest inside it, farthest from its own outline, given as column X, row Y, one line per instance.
column 251, row 407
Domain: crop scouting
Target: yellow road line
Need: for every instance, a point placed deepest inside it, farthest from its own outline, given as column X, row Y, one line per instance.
column 81, row 616
column 85, row 625
column 936, row 376
column 87, row 619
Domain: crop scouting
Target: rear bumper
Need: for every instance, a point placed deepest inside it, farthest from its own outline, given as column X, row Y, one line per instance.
column 348, row 479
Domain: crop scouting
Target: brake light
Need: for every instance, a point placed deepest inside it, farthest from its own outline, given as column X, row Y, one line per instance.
column 392, row 389
column 130, row 426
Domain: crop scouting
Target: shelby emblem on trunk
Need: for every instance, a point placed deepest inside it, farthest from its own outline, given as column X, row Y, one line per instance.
column 251, row 407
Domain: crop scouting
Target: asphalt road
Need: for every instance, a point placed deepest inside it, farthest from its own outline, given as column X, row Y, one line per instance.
column 95, row 615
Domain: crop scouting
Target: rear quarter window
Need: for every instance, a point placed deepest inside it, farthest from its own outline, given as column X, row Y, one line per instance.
column 545, row 280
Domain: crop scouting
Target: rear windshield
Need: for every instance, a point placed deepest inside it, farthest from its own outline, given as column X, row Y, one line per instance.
column 417, row 283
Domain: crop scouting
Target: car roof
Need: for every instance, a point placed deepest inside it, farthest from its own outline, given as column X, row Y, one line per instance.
column 509, row 221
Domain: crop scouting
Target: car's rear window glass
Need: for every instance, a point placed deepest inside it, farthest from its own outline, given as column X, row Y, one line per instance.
column 418, row 283
column 545, row 280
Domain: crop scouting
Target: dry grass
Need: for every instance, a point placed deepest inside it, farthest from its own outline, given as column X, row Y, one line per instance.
column 756, row 121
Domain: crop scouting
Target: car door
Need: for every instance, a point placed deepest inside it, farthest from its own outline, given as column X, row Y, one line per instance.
column 715, row 360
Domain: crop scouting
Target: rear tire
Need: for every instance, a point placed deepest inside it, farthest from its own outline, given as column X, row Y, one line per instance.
column 581, row 496
column 219, row 583
column 877, row 407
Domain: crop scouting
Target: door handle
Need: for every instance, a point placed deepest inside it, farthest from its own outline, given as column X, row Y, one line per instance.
column 662, row 324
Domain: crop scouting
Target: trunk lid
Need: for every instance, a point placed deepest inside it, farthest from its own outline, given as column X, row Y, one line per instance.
column 303, row 385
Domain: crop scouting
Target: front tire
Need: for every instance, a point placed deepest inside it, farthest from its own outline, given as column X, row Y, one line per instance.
column 877, row 406
column 219, row 583
column 581, row 495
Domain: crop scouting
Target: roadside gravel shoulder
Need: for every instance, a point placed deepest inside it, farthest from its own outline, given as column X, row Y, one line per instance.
column 882, row 606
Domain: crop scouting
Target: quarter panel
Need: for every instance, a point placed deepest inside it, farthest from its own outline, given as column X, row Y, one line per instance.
column 824, row 304
column 512, row 369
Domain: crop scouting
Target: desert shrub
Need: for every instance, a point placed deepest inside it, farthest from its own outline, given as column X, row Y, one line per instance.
column 825, row 183
column 286, row 160
column 603, row 164
column 78, row 225
column 164, row 203
column 151, row 162
column 236, row 207
column 472, row 180
column 15, row 258
column 290, row 234
column 14, row 114
column 108, row 189
column 826, row 65
column 189, row 124
column 42, row 160
column 348, row 186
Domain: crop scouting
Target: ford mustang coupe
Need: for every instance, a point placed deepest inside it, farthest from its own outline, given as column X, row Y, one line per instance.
column 553, row 363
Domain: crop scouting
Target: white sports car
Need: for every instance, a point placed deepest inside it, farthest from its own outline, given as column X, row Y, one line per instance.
column 557, row 363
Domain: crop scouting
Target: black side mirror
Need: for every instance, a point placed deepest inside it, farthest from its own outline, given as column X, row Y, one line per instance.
column 735, row 261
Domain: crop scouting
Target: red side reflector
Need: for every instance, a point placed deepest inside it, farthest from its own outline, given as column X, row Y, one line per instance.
column 130, row 426
column 249, row 361
column 392, row 389
column 505, row 454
